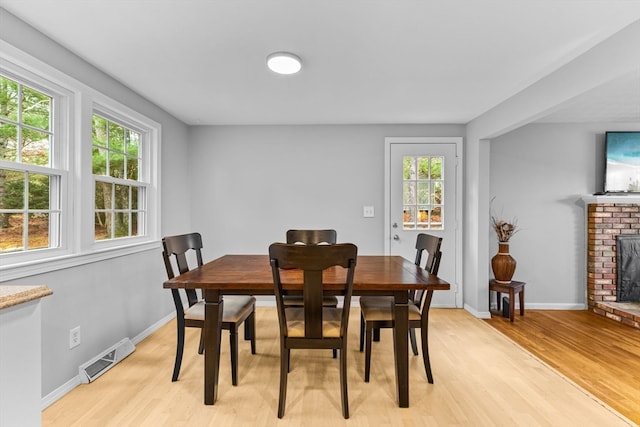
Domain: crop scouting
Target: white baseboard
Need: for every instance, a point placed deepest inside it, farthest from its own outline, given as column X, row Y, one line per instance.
column 151, row 329
column 540, row 306
column 74, row 382
column 476, row 313
column 265, row 301
column 59, row 393
column 553, row 306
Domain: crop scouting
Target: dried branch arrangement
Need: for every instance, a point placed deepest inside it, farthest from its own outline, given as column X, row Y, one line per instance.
column 504, row 230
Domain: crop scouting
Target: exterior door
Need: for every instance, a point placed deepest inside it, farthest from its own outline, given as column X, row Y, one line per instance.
column 424, row 196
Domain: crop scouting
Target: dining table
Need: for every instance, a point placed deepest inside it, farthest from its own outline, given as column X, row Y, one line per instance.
column 251, row 275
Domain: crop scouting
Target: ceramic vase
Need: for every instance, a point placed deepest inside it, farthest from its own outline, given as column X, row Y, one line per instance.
column 503, row 264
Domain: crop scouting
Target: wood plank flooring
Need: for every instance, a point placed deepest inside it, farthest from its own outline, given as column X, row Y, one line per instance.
column 481, row 379
column 598, row 354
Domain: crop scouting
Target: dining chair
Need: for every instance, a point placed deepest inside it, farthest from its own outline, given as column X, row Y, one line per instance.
column 314, row 325
column 235, row 310
column 377, row 312
column 311, row 237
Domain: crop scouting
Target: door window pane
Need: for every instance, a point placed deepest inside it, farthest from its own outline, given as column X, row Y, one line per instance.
column 422, row 192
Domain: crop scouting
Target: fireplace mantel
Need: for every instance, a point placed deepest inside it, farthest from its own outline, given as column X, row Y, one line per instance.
column 611, row 198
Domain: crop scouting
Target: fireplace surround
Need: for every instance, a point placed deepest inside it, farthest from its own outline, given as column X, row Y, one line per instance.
column 607, row 218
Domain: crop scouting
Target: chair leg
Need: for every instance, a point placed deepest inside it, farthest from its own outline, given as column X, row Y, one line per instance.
column 250, row 331
column 233, row 341
column 424, row 332
column 284, row 370
column 343, row 383
column 179, row 349
column 414, row 345
column 367, row 353
column 361, row 332
column 247, row 328
column 201, row 346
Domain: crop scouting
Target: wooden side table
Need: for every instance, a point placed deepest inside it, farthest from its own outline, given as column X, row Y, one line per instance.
column 512, row 289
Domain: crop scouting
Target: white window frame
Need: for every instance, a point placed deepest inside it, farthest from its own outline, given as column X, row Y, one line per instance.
column 62, row 104
column 77, row 102
column 149, row 132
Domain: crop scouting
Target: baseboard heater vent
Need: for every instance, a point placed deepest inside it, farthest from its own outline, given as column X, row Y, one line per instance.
column 99, row 365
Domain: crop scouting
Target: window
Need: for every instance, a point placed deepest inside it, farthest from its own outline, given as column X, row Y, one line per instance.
column 120, row 194
column 30, row 183
column 423, row 189
column 79, row 172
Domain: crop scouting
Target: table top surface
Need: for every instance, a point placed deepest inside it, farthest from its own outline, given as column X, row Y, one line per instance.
column 253, row 272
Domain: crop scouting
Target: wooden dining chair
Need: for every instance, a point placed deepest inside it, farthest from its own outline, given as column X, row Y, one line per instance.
column 311, row 237
column 236, row 309
column 377, row 312
column 313, row 326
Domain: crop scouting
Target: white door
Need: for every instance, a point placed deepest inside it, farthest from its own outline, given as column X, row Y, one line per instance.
column 424, row 196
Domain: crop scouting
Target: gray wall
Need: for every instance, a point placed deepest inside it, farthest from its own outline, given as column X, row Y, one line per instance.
column 119, row 297
column 538, row 175
column 255, row 182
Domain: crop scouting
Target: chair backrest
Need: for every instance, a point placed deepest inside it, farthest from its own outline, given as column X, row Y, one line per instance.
column 312, row 237
column 431, row 244
column 313, row 260
column 179, row 246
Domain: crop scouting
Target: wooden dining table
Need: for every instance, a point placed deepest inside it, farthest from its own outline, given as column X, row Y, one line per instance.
column 251, row 275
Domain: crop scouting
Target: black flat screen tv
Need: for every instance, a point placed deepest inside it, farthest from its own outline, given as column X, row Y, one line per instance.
column 622, row 168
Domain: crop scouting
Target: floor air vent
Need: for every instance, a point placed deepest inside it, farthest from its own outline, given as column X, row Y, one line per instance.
column 99, row 365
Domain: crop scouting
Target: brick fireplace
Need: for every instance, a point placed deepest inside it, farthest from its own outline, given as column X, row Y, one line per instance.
column 607, row 218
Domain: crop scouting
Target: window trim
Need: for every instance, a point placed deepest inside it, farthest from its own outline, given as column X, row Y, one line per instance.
column 77, row 101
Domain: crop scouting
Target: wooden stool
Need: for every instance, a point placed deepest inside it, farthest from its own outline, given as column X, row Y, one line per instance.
column 512, row 289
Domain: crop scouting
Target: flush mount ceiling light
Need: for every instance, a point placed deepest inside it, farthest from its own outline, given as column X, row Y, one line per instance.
column 284, row 63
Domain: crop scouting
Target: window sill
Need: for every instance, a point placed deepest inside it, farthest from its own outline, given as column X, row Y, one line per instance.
column 32, row 268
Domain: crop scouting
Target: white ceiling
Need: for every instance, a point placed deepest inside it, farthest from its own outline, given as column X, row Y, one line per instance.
column 615, row 101
column 365, row 61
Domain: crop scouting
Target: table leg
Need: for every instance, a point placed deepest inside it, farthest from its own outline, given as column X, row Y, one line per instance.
column 512, row 304
column 522, row 301
column 401, row 346
column 212, row 332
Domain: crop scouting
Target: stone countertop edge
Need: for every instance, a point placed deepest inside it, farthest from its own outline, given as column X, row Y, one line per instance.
column 14, row 295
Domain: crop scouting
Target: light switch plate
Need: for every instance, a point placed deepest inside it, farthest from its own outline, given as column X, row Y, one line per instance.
column 367, row 212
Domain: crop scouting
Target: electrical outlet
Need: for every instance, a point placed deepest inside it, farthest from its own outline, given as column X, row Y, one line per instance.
column 74, row 337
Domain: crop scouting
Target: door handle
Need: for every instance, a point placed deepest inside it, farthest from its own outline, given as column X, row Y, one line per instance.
column 396, row 237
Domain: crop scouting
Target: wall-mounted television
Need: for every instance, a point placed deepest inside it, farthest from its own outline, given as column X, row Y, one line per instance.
column 622, row 169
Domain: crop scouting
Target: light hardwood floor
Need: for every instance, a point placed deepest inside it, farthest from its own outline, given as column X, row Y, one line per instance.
column 599, row 354
column 481, row 379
